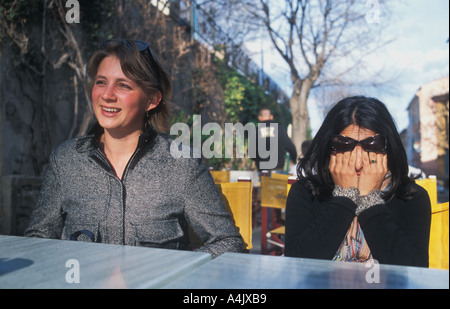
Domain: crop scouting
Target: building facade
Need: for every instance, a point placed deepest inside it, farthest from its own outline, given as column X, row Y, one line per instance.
column 426, row 138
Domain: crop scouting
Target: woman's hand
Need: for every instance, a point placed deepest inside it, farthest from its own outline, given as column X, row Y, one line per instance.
column 373, row 172
column 371, row 167
column 342, row 169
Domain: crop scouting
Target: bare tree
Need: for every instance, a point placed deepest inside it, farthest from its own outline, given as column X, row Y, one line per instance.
column 328, row 96
column 324, row 43
column 228, row 15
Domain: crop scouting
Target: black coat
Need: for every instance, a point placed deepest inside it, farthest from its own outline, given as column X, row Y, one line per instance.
column 396, row 232
column 277, row 143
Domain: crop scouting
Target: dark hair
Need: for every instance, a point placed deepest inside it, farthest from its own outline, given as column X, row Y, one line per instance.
column 142, row 67
column 370, row 113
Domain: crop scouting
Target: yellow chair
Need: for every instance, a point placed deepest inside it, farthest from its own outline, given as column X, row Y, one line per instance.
column 273, row 200
column 237, row 197
column 220, row 176
column 284, row 177
column 273, row 191
column 430, row 184
column 438, row 250
column 282, row 229
column 439, row 242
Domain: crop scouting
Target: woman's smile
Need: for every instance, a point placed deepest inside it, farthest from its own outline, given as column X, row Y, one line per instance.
column 110, row 111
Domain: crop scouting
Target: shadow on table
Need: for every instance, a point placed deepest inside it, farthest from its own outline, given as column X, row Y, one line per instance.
column 7, row 265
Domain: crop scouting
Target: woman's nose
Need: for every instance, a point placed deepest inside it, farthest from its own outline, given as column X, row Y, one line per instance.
column 108, row 93
column 359, row 158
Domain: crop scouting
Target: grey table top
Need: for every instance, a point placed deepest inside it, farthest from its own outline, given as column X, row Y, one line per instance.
column 48, row 263
column 248, row 271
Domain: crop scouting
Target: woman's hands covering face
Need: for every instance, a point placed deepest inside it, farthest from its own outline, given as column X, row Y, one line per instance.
column 360, row 169
column 342, row 169
column 373, row 172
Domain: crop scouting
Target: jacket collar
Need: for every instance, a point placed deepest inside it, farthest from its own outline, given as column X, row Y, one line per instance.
column 91, row 141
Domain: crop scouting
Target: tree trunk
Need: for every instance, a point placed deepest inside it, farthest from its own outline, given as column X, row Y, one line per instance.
column 300, row 117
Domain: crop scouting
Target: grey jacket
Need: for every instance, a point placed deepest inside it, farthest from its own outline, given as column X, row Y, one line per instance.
column 158, row 197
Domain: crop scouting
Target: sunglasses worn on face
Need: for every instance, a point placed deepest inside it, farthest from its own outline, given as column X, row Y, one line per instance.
column 376, row 143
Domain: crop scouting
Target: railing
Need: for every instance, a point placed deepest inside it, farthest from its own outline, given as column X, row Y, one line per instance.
column 205, row 30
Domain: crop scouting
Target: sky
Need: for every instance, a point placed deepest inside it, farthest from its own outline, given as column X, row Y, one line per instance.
column 418, row 55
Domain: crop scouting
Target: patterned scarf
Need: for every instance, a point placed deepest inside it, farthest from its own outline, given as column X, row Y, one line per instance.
column 354, row 247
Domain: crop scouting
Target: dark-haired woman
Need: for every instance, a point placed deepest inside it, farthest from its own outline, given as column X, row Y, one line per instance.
column 353, row 200
column 120, row 184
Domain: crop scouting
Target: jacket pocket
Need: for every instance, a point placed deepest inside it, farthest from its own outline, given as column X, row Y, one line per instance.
column 78, row 231
column 159, row 234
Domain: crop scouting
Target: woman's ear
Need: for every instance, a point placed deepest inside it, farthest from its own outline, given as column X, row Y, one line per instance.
column 154, row 100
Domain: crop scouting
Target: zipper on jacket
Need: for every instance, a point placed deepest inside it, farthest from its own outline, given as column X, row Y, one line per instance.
column 112, row 173
column 124, row 175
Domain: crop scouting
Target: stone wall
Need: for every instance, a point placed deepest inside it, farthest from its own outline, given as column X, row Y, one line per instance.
column 18, row 197
column 37, row 96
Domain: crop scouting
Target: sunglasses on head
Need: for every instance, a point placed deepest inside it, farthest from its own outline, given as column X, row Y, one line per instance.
column 142, row 46
column 376, row 143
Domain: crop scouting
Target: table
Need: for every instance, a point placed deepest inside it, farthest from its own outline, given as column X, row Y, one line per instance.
column 246, row 271
column 254, row 177
column 48, row 263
